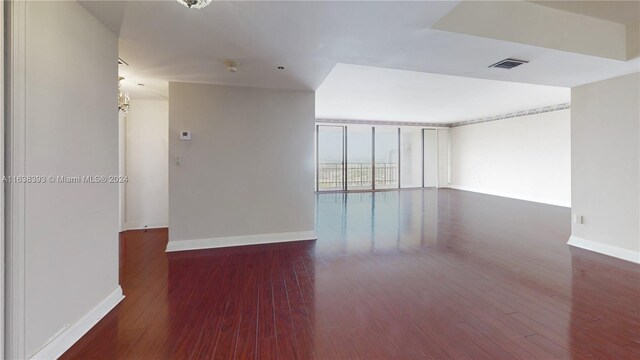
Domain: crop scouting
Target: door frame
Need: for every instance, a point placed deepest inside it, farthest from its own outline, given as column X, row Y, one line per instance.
column 14, row 147
column 344, row 157
column 2, row 173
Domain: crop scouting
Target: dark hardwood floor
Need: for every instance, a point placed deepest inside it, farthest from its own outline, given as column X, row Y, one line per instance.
column 420, row 274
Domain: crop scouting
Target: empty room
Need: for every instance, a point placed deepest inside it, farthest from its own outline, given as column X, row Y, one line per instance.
column 198, row 179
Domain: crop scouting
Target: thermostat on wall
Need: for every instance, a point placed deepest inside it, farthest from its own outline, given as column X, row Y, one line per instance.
column 185, row 135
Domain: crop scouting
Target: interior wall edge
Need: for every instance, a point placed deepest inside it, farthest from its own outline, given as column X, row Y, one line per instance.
column 62, row 341
column 228, row 241
column 15, row 15
column 603, row 248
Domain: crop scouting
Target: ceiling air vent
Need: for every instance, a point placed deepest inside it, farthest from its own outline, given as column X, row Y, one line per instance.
column 508, row 63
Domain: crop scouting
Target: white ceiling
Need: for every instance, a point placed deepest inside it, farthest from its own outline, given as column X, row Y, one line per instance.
column 169, row 41
column 623, row 12
column 164, row 41
column 142, row 88
column 354, row 92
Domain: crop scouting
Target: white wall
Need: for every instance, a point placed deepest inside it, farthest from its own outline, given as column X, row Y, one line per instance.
column 526, row 158
column 71, row 231
column 122, row 169
column 248, row 170
column 605, row 132
column 147, row 189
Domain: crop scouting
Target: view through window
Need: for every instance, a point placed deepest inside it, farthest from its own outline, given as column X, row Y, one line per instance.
column 365, row 157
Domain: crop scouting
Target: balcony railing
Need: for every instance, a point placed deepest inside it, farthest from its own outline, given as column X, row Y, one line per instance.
column 358, row 176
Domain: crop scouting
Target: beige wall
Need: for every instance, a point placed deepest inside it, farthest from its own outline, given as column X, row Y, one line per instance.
column 147, row 191
column 71, row 130
column 526, row 158
column 249, row 168
column 605, row 127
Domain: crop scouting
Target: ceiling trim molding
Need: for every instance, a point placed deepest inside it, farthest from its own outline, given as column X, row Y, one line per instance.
column 540, row 110
column 374, row 122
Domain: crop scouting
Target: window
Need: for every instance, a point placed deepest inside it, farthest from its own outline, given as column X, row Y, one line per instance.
column 359, row 158
column 386, row 157
column 365, row 157
column 330, row 157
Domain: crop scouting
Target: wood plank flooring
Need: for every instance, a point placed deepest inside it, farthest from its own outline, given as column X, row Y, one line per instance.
column 420, row 274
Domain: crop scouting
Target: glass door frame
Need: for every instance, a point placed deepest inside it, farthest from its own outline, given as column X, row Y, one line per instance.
column 344, row 172
column 373, row 158
column 344, row 157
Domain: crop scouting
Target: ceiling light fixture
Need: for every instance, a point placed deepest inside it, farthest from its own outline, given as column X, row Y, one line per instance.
column 194, row 4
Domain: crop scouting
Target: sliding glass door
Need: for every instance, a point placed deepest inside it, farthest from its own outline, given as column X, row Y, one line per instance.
column 365, row 157
column 386, row 153
column 330, row 169
column 359, row 157
column 410, row 157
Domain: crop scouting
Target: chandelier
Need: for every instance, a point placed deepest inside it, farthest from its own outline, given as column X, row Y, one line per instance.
column 123, row 98
column 194, row 4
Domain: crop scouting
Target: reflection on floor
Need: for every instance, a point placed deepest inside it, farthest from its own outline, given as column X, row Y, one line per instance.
column 436, row 274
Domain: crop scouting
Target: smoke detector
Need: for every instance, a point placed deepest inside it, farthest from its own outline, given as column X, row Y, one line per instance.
column 508, row 63
column 232, row 65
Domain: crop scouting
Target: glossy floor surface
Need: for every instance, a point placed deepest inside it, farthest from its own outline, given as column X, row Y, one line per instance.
column 422, row 274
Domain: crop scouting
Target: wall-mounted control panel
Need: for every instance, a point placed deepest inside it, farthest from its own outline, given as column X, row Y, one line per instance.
column 185, row 135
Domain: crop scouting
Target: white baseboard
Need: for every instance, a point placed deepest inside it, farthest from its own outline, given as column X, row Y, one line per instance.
column 605, row 249
column 68, row 336
column 212, row 243
column 141, row 225
column 512, row 196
